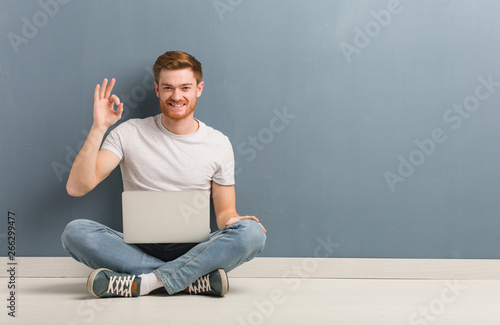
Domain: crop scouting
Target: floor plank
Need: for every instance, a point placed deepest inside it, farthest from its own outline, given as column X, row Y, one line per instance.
column 267, row 301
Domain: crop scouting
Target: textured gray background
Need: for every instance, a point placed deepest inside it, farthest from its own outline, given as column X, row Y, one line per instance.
column 318, row 179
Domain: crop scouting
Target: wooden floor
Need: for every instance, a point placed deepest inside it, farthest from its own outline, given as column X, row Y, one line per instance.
column 266, row 301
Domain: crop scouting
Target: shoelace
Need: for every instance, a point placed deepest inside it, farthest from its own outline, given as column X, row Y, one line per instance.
column 122, row 285
column 202, row 284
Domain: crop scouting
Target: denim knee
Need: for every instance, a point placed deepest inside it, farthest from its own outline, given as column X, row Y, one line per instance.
column 253, row 238
column 74, row 233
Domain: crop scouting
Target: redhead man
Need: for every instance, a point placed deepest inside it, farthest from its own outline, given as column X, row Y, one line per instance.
column 172, row 151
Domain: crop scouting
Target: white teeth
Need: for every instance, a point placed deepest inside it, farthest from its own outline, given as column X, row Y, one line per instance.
column 179, row 105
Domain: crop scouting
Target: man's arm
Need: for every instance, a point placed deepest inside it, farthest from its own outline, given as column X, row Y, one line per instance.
column 92, row 165
column 225, row 206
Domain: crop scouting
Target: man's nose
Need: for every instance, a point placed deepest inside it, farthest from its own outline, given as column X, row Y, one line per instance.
column 176, row 95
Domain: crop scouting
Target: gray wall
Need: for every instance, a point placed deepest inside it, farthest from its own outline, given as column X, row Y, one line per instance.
column 374, row 123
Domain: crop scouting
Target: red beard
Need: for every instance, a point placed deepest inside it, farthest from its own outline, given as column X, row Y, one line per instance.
column 171, row 113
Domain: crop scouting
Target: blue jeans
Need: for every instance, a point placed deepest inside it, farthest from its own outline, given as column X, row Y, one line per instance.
column 176, row 265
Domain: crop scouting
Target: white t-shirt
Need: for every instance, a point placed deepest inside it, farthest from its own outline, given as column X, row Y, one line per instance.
column 155, row 159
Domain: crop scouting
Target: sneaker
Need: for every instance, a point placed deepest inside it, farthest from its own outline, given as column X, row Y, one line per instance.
column 106, row 283
column 214, row 283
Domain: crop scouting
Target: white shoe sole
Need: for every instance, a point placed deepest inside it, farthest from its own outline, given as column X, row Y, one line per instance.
column 90, row 281
column 225, row 282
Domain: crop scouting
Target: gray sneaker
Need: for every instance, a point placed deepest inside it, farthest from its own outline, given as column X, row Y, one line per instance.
column 214, row 283
column 106, row 283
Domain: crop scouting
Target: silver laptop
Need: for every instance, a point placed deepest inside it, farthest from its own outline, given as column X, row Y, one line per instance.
column 166, row 216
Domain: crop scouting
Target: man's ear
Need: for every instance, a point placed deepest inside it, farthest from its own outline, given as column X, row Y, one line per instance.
column 199, row 89
column 157, row 90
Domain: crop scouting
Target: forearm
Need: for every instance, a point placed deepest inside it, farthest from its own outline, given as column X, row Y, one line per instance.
column 224, row 217
column 82, row 177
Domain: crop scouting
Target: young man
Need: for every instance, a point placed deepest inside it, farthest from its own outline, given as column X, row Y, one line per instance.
column 171, row 151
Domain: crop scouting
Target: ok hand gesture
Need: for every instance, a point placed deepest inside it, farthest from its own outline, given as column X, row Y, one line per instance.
column 104, row 112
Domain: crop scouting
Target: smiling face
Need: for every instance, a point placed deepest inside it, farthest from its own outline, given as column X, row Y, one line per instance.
column 178, row 92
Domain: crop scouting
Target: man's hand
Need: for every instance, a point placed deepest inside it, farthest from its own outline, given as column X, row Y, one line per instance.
column 104, row 113
column 236, row 219
column 92, row 165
